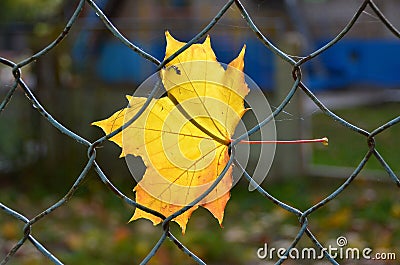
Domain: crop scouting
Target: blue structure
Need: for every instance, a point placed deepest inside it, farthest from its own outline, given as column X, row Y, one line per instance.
column 117, row 63
column 374, row 63
column 362, row 62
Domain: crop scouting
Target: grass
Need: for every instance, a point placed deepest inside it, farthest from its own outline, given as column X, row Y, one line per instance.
column 347, row 148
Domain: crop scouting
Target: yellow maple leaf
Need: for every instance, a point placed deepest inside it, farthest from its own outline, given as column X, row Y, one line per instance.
column 183, row 138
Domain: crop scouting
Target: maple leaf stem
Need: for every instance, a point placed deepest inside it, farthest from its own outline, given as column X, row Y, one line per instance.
column 323, row 140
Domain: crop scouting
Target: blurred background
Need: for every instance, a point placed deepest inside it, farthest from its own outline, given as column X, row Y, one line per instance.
column 86, row 77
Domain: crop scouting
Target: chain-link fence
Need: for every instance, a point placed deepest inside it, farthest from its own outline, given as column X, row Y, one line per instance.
column 297, row 86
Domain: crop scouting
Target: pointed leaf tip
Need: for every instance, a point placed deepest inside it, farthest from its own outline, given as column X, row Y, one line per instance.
column 172, row 45
column 207, row 41
column 238, row 62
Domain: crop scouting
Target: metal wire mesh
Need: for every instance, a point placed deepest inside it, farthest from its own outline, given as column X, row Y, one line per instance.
column 298, row 87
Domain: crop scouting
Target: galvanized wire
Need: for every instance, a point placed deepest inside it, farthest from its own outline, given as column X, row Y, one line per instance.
column 297, row 87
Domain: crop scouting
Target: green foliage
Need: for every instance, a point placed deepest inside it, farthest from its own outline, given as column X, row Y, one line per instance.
column 27, row 10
